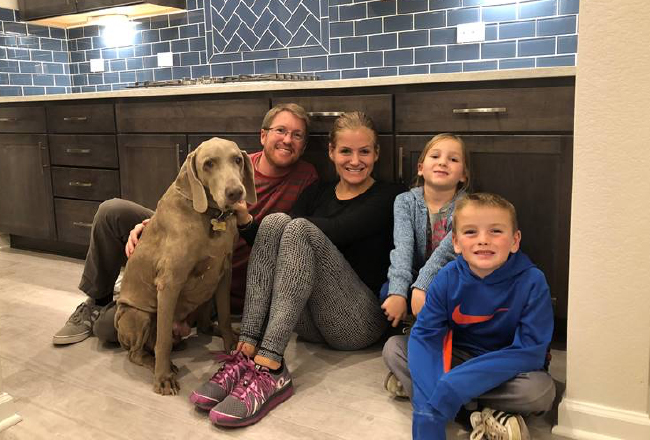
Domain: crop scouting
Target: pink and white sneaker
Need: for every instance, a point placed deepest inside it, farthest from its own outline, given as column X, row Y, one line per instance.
column 223, row 381
column 257, row 393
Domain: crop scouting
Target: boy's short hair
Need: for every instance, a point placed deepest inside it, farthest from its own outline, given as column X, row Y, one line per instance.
column 292, row 108
column 485, row 199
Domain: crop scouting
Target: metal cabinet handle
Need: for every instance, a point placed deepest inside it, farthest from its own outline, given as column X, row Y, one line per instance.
column 481, row 110
column 324, row 114
column 75, row 118
column 83, row 224
column 178, row 157
column 81, row 184
column 78, row 150
column 8, row 119
column 400, row 164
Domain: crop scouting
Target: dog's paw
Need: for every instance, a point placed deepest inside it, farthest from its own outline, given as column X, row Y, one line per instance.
column 168, row 386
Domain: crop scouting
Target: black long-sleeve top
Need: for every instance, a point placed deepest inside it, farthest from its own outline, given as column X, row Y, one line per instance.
column 361, row 228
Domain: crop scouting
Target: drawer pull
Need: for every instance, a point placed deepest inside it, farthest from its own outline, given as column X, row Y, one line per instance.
column 78, row 150
column 82, row 184
column 324, row 114
column 8, row 119
column 481, row 110
column 75, row 118
column 83, row 224
column 400, row 164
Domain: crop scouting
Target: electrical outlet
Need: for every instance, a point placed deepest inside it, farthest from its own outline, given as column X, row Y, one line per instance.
column 470, row 32
column 165, row 59
column 97, row 65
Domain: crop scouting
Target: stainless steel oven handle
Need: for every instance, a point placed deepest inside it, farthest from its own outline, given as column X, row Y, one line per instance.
column 324, row 114
column 78, row 150
column 81, row 184
column 481, row 110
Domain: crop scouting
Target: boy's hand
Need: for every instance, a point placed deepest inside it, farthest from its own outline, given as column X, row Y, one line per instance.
column 134, row 236
column 418, row 297
column 394, row 308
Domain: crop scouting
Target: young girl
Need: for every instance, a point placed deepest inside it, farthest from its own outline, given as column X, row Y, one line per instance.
column 317, row 272
column 422, row 239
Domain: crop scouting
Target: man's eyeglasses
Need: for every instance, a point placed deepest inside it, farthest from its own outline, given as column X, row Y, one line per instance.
column 297, row 136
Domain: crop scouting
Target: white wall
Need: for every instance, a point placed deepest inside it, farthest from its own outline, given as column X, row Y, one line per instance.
column 608, row 350
column 9, row 4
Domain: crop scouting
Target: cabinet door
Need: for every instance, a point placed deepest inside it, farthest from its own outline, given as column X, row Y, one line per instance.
column 532, row 172
column 25, row 186
column 31, row 9
column 148, row 165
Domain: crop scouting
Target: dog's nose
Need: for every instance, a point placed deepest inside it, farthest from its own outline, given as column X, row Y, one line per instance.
column 234, row 194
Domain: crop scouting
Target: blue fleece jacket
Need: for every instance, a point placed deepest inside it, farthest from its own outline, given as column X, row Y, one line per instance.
column 504, row 319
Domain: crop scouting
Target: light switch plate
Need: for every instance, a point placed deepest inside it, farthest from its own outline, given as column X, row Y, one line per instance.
column 97, row 65
column 470, row 32
column 165, row 59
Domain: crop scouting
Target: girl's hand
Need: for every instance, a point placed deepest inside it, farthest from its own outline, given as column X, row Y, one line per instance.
column 418, row 297
column 134, row 236
column 241, row 211
column 394, row 308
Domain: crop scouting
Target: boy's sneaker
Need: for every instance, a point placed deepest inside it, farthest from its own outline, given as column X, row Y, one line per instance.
column 223, row 381
column 394, row 386
column 257, row 393
column 79, row 325
column 498, row 425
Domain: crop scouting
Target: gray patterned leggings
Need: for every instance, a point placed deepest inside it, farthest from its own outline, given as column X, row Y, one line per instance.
column 298, row 280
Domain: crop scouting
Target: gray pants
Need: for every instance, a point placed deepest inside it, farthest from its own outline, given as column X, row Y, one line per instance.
column 526, row 393
column 298, row 280
column 112, row 223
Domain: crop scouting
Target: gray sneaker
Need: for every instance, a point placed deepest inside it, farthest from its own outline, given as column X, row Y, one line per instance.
column 79, row 325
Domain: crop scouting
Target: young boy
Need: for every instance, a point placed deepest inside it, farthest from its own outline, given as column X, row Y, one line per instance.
column 489, row 314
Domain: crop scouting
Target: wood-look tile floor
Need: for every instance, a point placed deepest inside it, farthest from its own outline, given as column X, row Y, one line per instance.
column 91, row 391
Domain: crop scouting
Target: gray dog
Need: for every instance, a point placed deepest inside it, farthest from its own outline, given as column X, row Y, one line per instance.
column 183, row 257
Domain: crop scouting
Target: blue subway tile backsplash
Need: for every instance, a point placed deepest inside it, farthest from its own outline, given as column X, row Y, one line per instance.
column 333, row 39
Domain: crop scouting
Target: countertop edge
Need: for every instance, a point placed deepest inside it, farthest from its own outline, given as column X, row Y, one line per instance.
column 243, row 87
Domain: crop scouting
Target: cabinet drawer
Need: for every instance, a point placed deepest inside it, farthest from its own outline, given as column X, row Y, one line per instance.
column 84, row 150
column 83, row 183
column 533, row 109
column 324, row 109
column 22, row 120
column 90, row 118
column 74, row 219
column 227, row 116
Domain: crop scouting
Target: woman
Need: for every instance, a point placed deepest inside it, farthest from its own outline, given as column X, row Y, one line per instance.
column 317, row 272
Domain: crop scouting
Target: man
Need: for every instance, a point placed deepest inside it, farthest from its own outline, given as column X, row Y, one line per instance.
column 280, row 176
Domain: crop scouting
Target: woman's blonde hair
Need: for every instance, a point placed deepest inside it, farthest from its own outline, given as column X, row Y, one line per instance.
column 419, row 180
column 353, row 121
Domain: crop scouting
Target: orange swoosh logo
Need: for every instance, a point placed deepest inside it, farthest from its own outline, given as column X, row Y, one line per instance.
column 462, row 319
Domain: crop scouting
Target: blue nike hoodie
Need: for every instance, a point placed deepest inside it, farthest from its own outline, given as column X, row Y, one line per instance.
column 504, row 319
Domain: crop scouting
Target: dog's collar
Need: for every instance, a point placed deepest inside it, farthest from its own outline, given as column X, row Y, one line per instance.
column 218, row 218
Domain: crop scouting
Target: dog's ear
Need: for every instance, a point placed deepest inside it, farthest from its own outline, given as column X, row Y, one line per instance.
column 249, row 179
column 199, row 199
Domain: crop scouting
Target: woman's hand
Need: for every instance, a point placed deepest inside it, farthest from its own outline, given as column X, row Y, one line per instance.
column 394, row 308
column 134, row 236
column 418, row 297
column 241, row 211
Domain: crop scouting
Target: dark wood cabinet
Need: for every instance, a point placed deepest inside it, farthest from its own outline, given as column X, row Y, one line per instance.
column 22, row 120
column 25, row 186
column 209, row 116
column 33, row 9
column 74, row 220
column 148, row 165
column 81, row 118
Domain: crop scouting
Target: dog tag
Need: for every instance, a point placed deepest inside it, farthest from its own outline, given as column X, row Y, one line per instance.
column 217, row 225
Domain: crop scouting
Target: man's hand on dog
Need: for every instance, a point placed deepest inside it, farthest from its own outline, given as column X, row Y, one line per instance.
column 134, row 236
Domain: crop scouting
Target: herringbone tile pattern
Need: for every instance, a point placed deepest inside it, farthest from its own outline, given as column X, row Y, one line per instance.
column 249, row 25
